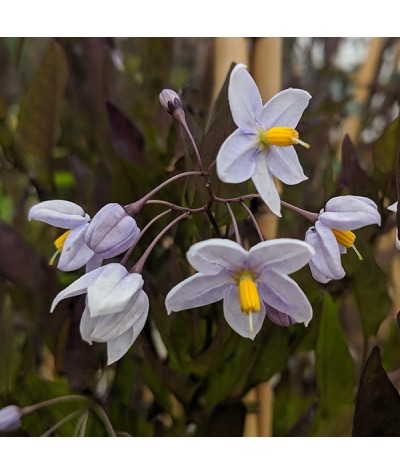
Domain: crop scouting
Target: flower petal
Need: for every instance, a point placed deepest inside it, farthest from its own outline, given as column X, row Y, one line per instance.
column 119, row 346
column 284, row 109
column 282, row 255
column 214, row 255
column 75, row 253
column 326, row 264
column 264, row 183
column 236, row 159
column 113, row 290
column 60, row 213
column 284, row 163
column 87, row 325
column 349, row 212
column 196, row 291
column 279, row 318
column 236, row 319
column 109, row 327
column 244, row 98
column 93, row 263
column 284, row 294
column 78, row 287
column 111, row 231
column 393, row 207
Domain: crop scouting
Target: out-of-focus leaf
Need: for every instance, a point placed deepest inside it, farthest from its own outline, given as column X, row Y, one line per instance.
column 352, row 176
column 385, row 160
column 18, row 261
column 9, row 353
column 127, row 139
column 38, row 125
column 377, row 411
column 227, row 420
column 334, row 373
column 366, row 275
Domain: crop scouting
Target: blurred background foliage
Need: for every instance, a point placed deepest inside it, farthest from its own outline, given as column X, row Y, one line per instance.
column 80, row 120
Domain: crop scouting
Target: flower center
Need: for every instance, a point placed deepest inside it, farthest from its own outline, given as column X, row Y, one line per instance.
column 280, row 136
column 59, row 243
column 248, row 297
column 346, row 239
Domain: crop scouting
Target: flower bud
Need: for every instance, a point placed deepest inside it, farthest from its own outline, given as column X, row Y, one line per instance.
column 170, row 100
column 111, row 231
column 10, row 418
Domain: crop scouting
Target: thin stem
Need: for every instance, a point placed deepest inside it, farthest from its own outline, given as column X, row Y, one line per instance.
column 306, row 214
column 78, row 426
column 234, row 222
column 60, row 423
column 129, row 251
column 237, row 199
column 212, row 165
column 140, row 263
column 252, row 217
column 39, row 405
column 84, row 424
column 107, row 423
column 174, row 206
column 134, row 208
column 196, row 150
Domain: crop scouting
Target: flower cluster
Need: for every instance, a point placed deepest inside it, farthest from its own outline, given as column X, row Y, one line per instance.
column 253, row 283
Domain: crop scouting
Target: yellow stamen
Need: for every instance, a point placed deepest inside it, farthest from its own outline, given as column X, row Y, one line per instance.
column 59, row 243
column 248, row 296
column 280, row 136
column 346, row 239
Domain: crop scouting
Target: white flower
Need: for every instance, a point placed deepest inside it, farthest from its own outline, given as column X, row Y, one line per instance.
column 393, row 208
column 10, row 418
column 74, row 253
column 331, row 235
column 111, row 231
column 116, row 307
column 262, row 146
column 251, row 283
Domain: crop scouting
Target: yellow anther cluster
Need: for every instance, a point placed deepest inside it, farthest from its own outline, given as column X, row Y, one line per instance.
column 345, row 238
column 59, row 243
column 280, row 136
column 248, row 295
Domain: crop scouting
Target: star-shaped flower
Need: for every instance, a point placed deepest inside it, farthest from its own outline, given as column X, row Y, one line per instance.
column 331, row 234
column 251, row 283
column 111, row 232
column 262, row 146
column 74, row 253
column 116, row 307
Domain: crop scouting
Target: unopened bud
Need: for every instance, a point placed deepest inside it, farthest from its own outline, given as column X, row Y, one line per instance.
column 111, row 231
column 10, row 418
column 170, row 100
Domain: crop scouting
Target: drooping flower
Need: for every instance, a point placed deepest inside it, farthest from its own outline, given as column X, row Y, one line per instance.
column 393, row 208
column 251, row 283
column 332, row 234
column 10, row 418
column 111, row 231
column 116, row 307
column 262, row 146
column 71, row 247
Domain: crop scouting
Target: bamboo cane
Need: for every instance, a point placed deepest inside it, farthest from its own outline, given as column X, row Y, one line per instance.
column 362, row 87
column 226, row 51
column 267, row 64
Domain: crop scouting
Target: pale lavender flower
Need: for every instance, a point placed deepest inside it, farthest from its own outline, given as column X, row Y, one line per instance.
column 393, row 208
column 251, row 283
column 10, row 418
column 74, row 253
column 331, row 235
column 116, row 307
column 111, row 231
column 262, row 146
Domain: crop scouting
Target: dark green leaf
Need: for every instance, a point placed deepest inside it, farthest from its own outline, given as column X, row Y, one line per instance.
column 377, row 411
column 335, row 375
column 38, row 125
